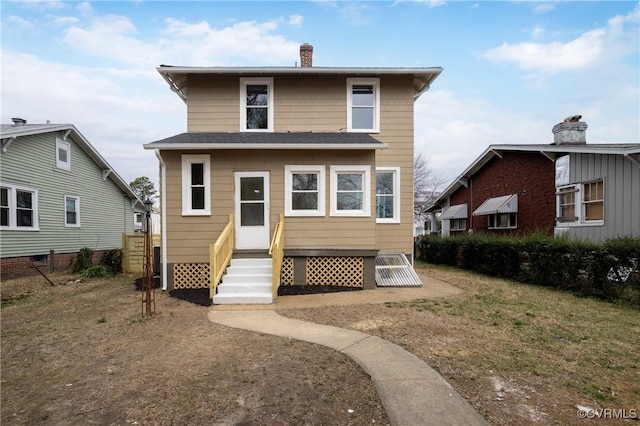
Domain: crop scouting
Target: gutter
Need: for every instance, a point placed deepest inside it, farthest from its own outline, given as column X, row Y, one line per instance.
column 163, row 217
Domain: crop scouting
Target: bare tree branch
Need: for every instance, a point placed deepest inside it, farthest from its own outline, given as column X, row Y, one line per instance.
column 426, row 186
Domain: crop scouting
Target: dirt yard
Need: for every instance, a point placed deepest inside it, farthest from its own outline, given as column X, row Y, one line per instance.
column 81, row 353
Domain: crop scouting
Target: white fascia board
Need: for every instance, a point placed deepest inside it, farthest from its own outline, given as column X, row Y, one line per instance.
column 249, row 146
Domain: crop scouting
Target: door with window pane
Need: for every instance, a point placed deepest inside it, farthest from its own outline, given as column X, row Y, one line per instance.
column 252, row 210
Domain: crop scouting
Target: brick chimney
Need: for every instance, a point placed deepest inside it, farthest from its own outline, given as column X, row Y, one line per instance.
column 571, row 131
column 306, row 55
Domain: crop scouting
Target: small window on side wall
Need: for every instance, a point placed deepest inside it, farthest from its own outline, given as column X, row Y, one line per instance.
column 388, row 195
column 63, row 155
column 196, row 185
column 503, row 221
column 458, row 224
column 71, row 211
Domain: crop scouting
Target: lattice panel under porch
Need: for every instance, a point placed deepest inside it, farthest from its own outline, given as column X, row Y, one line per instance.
column 190, row 275
column 287, row 272
column 338, row 271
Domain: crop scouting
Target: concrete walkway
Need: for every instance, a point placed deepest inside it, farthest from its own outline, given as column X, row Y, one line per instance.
column 413, row 394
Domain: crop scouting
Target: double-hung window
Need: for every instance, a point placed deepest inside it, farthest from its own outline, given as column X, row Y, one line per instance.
column 363, row 105
column 350, row 190
column 18, row 208
column 71, row 211
column 581, row 203
column 256, row 104
column 388, row 194
column 196, row 185
column 593, row 201
column 63, row 155
column 503, row 221
column 304, row 190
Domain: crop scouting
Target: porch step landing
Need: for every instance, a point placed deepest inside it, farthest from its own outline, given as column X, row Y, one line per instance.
column 246, row 282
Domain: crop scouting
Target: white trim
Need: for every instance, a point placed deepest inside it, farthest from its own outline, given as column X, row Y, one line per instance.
column 579, row 204
column 263, row 146
column 187, row 161
column 65, row 146
column 396, row 194
column 289, row 171
column 11, row 199
column 246, row 81
column 252, row 236
column 366, row 190
column 375, row 83
column 77, row 205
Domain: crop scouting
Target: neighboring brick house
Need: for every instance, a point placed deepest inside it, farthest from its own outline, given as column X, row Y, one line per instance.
column 588, row 191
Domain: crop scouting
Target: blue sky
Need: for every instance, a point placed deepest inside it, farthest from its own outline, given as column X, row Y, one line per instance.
column 512, row 70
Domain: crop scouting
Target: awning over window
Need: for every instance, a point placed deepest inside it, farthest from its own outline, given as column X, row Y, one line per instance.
column 504, row 204
column 458, row 211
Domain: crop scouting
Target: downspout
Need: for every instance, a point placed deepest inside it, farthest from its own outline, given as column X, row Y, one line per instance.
column 163, row 217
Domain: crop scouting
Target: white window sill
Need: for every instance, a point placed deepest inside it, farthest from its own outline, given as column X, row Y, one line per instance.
column 388, row 221
column 19, row 228
column 196, row 213
column 304, row 214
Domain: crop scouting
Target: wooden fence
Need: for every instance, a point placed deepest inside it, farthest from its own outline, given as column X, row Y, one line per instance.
column 133, row 251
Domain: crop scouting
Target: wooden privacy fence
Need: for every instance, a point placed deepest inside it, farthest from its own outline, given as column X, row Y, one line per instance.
column 133, row 251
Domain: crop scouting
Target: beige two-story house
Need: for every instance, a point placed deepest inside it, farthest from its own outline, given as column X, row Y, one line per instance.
column 308, row 167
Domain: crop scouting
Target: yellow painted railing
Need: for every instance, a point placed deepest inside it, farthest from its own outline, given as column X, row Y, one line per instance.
column 220, row 255
column 277, row 254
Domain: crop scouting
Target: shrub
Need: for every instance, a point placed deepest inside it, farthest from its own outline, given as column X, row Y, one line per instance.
column 82, row 260
column 112, row 260
column 96, row 271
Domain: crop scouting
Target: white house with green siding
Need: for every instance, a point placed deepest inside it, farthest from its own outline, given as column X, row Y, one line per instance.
column 57, row 196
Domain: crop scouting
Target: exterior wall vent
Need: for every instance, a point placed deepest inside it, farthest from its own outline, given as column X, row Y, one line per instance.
column 19, row 121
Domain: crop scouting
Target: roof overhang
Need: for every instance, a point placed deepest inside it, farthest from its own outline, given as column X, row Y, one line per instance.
column 504, row 204
column 177, row 76
column 458, row 211
column 271, row 141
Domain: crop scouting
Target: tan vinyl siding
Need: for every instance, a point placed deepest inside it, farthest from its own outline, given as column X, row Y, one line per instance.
column 301, row 104
column 104, row 212
column 188, row 237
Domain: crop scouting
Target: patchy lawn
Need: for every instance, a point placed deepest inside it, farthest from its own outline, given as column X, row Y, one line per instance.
column 520, row 354
column 81, row 353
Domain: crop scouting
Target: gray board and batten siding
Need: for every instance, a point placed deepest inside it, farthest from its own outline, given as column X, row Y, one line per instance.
column 621, row 177
column 105, row 212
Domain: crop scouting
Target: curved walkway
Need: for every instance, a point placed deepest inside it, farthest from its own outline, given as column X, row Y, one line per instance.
column 412, row 392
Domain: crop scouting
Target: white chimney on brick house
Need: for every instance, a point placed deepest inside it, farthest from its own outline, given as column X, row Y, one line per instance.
column 306, row 55
column 571, row 131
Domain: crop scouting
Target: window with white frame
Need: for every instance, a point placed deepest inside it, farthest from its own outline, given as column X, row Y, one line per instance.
column 363, row 105
column 71, row 211
column 18, row 208
column 196, row 185
column 350, row 190
column 63, row 155
column 388, row 195
column 256, row 104
column 304, row 190
column 503, row 221
column 580, row 203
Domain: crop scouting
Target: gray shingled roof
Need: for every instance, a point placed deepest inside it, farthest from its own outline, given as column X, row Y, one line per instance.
column 267, row 138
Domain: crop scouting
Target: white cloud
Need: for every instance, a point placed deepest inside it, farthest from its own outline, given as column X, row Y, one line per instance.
column 296, row 20
column 18, row 23
column 604, row 45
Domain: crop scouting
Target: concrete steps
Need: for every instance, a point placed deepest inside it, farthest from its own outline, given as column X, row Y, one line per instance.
column 247, row 281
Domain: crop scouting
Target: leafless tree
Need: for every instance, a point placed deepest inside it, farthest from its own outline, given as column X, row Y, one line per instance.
column 426, row 186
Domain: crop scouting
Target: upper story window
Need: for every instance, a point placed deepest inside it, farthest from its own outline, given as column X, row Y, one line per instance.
column 71, row 211
column 581, row 203
column 196, row 185
column 256, row 104
column 304, row 190
column 18, row 208
column 350, row 190
column 363, row 105
column 388, row 194
column 63, row 155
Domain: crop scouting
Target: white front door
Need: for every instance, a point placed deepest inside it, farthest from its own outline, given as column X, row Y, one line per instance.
column 252, row 210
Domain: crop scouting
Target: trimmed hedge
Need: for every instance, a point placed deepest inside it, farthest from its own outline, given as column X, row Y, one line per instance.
column 608, row 270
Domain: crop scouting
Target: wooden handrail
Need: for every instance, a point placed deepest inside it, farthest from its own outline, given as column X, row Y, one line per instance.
column 276, row 250
column 220, row 254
